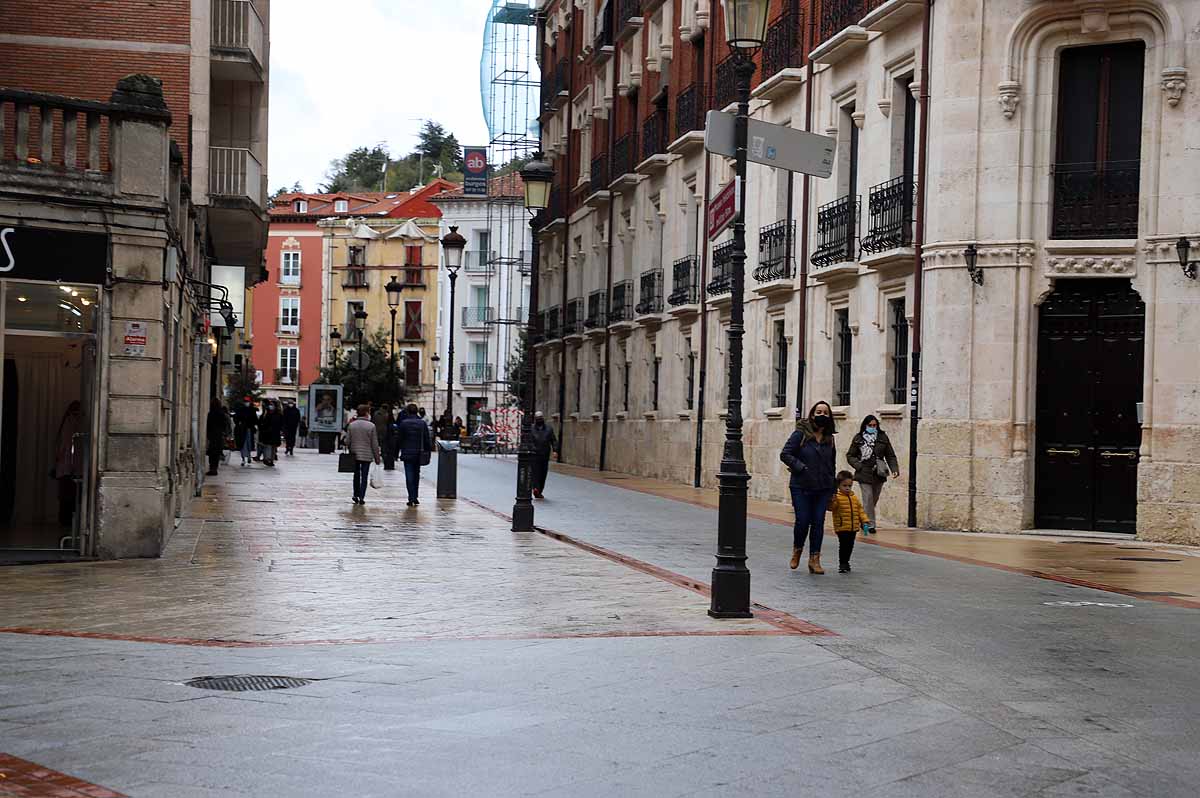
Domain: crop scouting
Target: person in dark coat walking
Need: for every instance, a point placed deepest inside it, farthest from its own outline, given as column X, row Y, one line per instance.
column 873, row 459
column 544, row 444
column 291, row 424
column 270, row 430
column 809, row 454
column 245, row 422
column 416, row 444
column 216, row 428
column 382, row 418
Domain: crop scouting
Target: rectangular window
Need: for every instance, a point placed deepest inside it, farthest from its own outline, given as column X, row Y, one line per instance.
column 289, row 365
column 301, row 206
column 1097, row 165
column 341, row 206
column 844, row 341
column 289, row 268
column 691, row 378
column 578, row 390
column 781, row 366
column 413, row 328
column 654, row 383
column 356, row 257
column 349, row 332
column 412, row 255
column 898, row 354
column 412, row 368
column 289, row 315
column 625, row 387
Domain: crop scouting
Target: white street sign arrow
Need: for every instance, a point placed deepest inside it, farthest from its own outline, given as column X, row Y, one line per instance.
column 772, row 145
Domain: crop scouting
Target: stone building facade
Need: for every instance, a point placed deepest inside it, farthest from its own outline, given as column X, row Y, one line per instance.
column 1059, row 370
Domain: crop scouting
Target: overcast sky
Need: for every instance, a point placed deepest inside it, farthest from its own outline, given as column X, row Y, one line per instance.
column 353, row 73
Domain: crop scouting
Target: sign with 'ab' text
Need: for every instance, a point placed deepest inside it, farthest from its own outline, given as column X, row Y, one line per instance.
column 475, row 171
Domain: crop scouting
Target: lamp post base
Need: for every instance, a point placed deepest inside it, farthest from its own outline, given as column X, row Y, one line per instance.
column 730, row 593
column 522, row 514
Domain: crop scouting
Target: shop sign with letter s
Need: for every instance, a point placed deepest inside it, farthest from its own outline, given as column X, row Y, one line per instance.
column 12, row 259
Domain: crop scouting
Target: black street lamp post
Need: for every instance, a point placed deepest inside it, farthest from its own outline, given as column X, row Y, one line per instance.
column 537, row 175
column 360, row 329
column 394, row 288
column 745, row 29
column 435, row 360
column 452, row 245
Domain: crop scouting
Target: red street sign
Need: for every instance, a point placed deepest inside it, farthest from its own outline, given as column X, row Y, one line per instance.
column 721, row 209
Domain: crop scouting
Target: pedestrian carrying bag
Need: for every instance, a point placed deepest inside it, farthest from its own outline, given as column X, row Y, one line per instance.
column 376, row 477
column 881, row 467
column 425, row 457
column 345, row 463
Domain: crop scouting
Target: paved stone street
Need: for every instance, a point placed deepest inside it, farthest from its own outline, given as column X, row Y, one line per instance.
column 451, row 657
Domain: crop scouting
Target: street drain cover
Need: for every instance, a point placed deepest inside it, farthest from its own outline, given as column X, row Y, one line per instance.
column 1146, row 559
column 243, row 683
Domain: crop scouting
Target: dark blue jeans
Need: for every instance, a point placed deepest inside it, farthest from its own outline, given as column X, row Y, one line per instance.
column 412, row 477
column 810, row 507
column 362, row 475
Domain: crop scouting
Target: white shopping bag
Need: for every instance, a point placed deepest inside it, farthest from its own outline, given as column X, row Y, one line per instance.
column 376, row 476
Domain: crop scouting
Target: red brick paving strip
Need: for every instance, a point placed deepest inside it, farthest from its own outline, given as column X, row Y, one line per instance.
column 19, row 777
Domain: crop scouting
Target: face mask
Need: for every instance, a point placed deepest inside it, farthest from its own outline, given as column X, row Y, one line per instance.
column 824, row 423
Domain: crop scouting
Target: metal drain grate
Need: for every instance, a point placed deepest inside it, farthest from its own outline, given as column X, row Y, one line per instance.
column 243, row 683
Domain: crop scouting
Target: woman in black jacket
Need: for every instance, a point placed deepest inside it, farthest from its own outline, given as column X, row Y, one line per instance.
column 872, row 457
column 270, row 430
column 809, row 454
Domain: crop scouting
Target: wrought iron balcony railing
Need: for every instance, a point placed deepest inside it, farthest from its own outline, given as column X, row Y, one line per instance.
column 475, row 373
column 354, row 278
column 550, row 325
column 477, row 316
column 775, row 246
column 837, row 15
column 890, row 207
column 722, row 270
column 479, row 261
column 654, row 135
column 620, row 307
column 650, row 292
column 627, row 11
column 412, row 278
column 783, row 47
column 685, row 285
column 690, row 106
column 624, row 154
column 287, row 325
column 600, row 172
column 726, row 84
column 1096, row 200
column 604, row 33
column 597, row 310
column 837, row 231
column 573, row 320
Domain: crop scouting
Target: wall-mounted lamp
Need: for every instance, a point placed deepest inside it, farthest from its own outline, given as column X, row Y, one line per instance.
column 1182, row 246
column 971, row 255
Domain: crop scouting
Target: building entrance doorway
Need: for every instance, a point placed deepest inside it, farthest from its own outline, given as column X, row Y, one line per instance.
column 1091, row 337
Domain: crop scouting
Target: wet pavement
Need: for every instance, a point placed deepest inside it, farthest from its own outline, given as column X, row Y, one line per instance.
column 449, row 656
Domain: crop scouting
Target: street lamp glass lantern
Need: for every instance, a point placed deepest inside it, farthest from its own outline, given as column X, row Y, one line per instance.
column 453, row 245
column 1183, row 246
column 746, row 23
column 394, row 288
column 537, row 177
column 360, row 321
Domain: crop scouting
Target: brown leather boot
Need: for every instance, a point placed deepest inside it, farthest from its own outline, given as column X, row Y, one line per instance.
column 814, row 564
column 795, row 563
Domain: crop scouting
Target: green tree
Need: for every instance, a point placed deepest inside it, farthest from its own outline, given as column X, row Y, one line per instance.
column 361, row 169
column 242, row 383
column 380, row 374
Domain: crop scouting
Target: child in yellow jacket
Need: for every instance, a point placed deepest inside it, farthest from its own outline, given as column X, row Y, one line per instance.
column 848, row 518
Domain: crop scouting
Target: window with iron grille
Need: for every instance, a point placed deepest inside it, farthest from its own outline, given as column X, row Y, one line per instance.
column 654, row 383
column 625, row 387
column 691, row 378
column 898, row 354
column 357, row 256
column 781, row 366
column 845, row 347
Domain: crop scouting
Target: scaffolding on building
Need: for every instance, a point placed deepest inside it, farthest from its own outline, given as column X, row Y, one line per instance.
column 510, row 84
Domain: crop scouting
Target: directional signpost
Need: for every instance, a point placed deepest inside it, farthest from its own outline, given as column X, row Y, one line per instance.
column 722, row 209
column 772, row 145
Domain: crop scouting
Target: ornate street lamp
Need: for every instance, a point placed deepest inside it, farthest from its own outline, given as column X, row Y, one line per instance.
column 360, row 329
column 745, row 30
column 394, row 289
column 537, row 175
column 970, row 256
column 452, row 245
column 335, row 341
column 436, row 361
column 1182, row 246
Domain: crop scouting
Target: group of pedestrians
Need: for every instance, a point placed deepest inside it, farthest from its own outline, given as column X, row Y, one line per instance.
column 818, row 487
column 256, row 434
column 379, row 437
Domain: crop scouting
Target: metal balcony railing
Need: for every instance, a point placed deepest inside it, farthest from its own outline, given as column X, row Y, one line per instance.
column 599, row 173
column 234, row 172
column 550, row 325
column 624, row 154
column 654, row 134
column 475, row 373
column 236, row 25
column 726, row 84
column 890, row 208
column 477, row 316
column 837, row 231
column 689, row 109
column 604, row 32
column 685, row 284
column 775, row 246
column 573, row 319
column 721, row 281
column 650, row 292
column 354, row 278
column 1096, row 200
column 287, row 325
column 597, row 310
column 287, row 376
column 479, row 261
column 620, row 306
column 783, row 47
column 837, row 15
column 628, row 10
column 412, row 278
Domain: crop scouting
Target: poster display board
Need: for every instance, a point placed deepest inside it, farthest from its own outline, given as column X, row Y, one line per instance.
column 325, row 408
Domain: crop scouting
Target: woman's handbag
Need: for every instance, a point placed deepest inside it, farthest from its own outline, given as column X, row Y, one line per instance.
column 346, row 463
column 881, row 468
column 425, row 457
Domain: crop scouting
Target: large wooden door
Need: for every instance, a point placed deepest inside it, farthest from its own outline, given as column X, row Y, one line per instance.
column 1090, row 351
